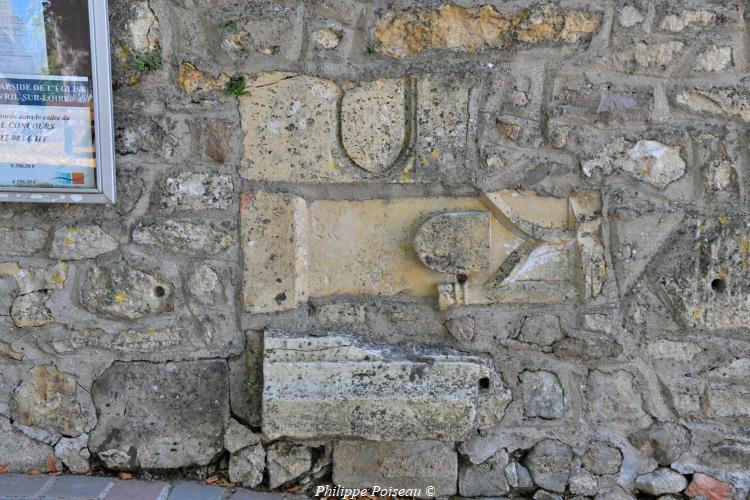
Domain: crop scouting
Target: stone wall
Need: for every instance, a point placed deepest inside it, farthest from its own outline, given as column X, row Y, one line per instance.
column 496, row 249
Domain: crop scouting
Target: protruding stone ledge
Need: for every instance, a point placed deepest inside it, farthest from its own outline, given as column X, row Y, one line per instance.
column 337, row 386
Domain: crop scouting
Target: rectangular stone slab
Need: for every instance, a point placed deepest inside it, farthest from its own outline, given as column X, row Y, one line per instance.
column 419, row 465
column 337, row 386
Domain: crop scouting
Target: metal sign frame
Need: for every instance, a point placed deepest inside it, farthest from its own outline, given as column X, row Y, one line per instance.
column 105, row 192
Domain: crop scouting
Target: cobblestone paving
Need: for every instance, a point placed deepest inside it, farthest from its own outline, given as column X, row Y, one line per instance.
column 25, row 487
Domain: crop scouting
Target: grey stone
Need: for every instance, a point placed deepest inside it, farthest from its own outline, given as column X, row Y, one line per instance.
column 714, row 59
column 462, row 328
column 237, row 436
column 202, row 284
column 661, row 481
column 549, row 464
column 455, row 242
column 74, row 453
column 542, row 394
column 160, row 415
column 546, row 495
column 49, row 398
column 46, row 435
column 81, row 242
column 216, row 140
column 541, row 330
column 121, row 291
column 28, row 311
column 612, row 397
column 20, row 451
column 35, row 279
column 602, row 459
column 486, row 479
column 587, row 345
column 195, row 191
column 21, row 241
column 665, row 442
column 185, row 237
column 326, row 38
column 246, row 466
column 614, row 493
column 723, row 101
column 518, row 477
column 339, row 386
column 582, row 482
column 417, row 464
column 287, row 462
column 246, row 380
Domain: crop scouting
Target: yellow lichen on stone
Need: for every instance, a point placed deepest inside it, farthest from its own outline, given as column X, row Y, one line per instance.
column 192, row 80
column 475, row 29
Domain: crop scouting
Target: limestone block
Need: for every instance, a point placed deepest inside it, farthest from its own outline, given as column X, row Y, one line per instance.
column 338, row 386
column 418, row 464
column 181, row 236
column 661, row 481
column 160, row 415
column 373, row 123
column 35, row 279
column 196, row 191
column 21, row 452
column 542, row 394
column 287, row 462
column 455, row 242
column 724, row 101
column 30, row 310
column 274, row 241
column 549, row 464
column 602, row 459
column 21, row 241
column 612, row 397
column 81, row 242
column 486, row 479
column 290, row 124
column 442, row 118
column 238, row 436
column 73, row 452
column 246, row 466
column 507, row 246
column 49, row 399
column 665, row 442
column 121, row 291
column 409, row 32
column 704, row 273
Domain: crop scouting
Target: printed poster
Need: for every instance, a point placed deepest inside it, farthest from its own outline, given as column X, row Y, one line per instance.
column 46, row 137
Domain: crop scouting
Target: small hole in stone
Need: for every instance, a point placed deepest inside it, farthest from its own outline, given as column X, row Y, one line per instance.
column 159, row 291
column 719, row 285
column 462, row 278
column 484, row 383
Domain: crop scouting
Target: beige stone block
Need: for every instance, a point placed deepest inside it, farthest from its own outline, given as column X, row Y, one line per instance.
column 289, row 123
column 416, row 465
column 338, row 386
column 442, row 119
column 373, row 123
column 274, row 242
column 505, row 246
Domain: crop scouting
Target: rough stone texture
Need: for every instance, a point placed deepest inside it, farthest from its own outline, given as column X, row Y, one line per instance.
column 418, row 464
column 191, row 191
column 709, row 488
column 542, row 394
column 246, row 466
column 663, row 441
column 122, row 291
column 476, row 29
column 661, row 481
column 20, row 452
column 549, row 464
column 606, row 142
column 287, row 462
column 338, row 386
column 274, row 235
column 78, row 243
column 486, row 479
column 602, row 459
column 73, row 452
column 49, row 399
column 178, row 422
column 21, row 241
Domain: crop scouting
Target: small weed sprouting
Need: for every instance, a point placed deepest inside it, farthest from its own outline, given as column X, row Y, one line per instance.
column 147, row 61
column 371, row 51
column 230, row 26
column 236, row 86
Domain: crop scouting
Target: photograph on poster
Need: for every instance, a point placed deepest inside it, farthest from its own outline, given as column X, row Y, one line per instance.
column 48, row 132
